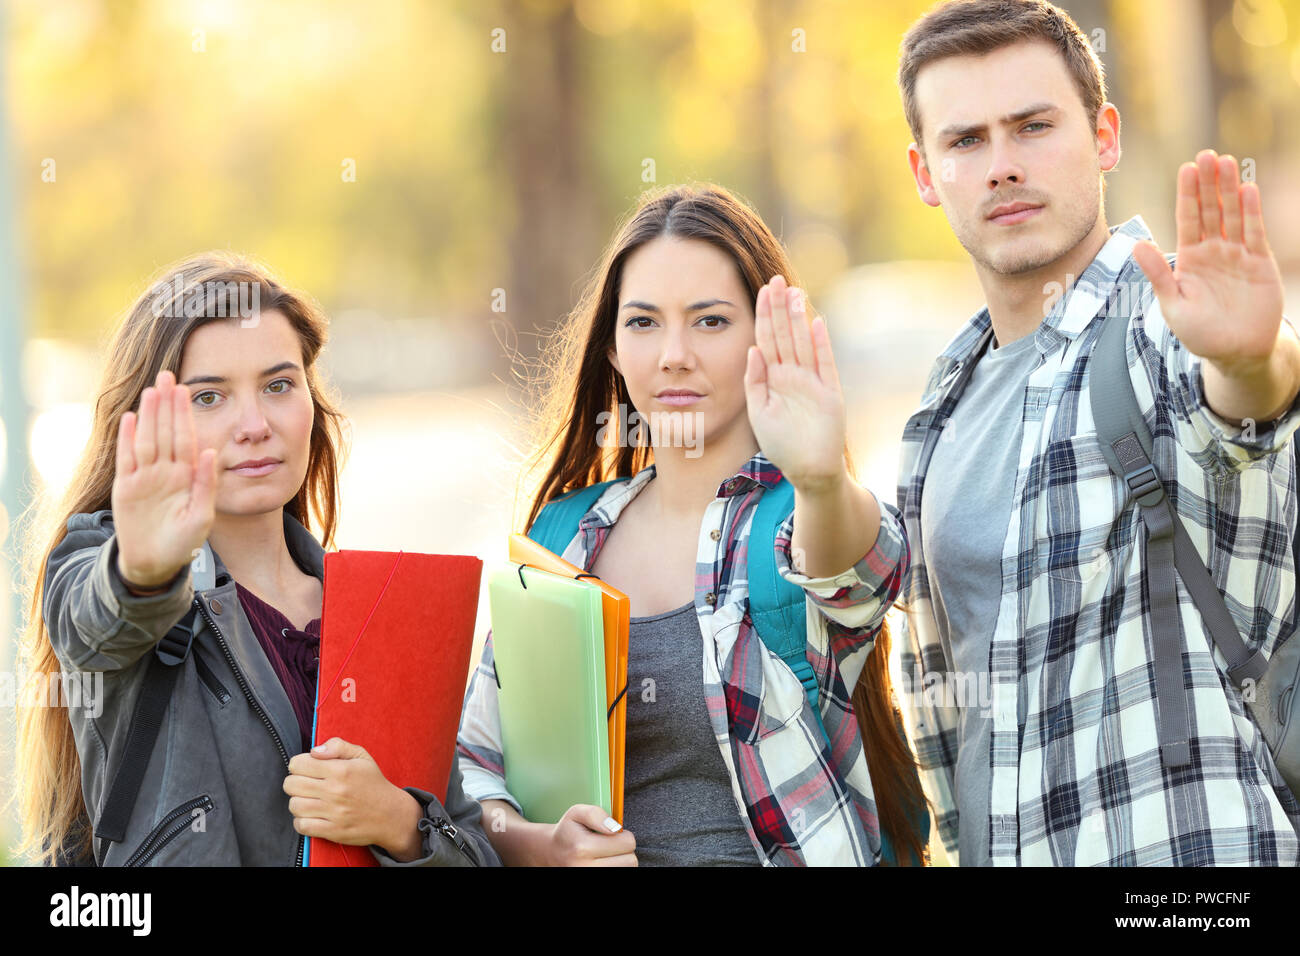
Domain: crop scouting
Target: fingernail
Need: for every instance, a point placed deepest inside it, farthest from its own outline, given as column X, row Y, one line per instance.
column 318, row 749
column 796, row 301
column 612, row 825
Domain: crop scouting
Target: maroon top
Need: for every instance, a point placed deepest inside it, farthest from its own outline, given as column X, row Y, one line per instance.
column 293, row 655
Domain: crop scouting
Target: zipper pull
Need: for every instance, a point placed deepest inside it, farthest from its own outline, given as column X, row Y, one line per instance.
column 443, row 825
column 447, row 827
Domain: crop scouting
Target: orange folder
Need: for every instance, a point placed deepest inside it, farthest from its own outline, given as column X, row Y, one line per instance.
column 397, row 629
column 616, row 610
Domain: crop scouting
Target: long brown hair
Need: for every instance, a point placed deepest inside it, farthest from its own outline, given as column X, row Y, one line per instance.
column 151, row 337
column 579, row 384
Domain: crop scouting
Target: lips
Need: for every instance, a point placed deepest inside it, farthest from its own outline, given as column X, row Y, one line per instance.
column 678, row 396
column 255, row 468
column 1011, row 213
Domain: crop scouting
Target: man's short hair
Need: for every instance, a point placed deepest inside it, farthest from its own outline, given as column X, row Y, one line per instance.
column 976, row 27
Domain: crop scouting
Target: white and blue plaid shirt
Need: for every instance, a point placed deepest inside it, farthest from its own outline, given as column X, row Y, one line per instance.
column 1076, row 776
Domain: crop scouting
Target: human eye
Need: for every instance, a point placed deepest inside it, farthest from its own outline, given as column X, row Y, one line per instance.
column 959, row 143
column 206, row 393
column 1042, row 123
column 632, row 322
column 719, row 321
column 286, row 382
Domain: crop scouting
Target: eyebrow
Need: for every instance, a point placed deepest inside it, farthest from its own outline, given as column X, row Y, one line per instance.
column 957, row 130
column 703, row 304
column 217, row 379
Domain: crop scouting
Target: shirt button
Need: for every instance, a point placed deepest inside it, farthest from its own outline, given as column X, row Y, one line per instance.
column 215, row 605
column 710, row 599
column 715, row 534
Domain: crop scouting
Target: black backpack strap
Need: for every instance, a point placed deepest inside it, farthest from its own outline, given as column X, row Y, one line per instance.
column 1126, row 443
column 155, row 692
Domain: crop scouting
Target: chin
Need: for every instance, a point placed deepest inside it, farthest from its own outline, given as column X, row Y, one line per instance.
column 1020, row 257
column 254, row 501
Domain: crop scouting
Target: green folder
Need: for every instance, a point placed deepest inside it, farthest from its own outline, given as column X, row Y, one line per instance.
column 548, row 637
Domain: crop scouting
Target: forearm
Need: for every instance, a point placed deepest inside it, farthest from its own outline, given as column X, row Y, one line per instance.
column 86, row 603
column 1259, row 390
column 834, row 526
column 517, row 841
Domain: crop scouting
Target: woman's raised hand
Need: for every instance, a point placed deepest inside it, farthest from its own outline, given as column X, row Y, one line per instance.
column 164, row 493
column 796, row 407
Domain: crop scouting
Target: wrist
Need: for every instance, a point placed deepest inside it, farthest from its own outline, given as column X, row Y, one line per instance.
column 1260, row 388
column 822, row 487
column 143, row 584
column 405, row 841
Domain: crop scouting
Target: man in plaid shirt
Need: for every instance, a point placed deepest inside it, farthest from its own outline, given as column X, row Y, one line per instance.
column 1027, row 665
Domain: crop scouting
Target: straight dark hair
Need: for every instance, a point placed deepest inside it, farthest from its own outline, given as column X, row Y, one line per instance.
column 580, row 384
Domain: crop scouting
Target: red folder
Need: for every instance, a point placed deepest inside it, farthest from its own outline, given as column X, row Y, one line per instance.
column 397, row 629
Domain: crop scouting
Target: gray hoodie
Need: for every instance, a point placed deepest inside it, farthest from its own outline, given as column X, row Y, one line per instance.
column 213, row 791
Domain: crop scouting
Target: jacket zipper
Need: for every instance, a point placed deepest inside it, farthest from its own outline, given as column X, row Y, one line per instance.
column 210, row 681
column 445, row 826
column 243, row 685
column 160, row 836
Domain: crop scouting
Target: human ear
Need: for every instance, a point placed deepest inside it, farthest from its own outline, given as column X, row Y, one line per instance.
column 921, row 173
column 1107, row 134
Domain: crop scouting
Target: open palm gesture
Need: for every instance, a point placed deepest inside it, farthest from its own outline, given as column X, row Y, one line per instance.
column 796, row 407
column 1223, row 301
column 164, row 492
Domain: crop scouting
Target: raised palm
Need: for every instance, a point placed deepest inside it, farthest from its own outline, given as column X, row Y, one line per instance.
column 1223, row 299
column 164, row 490
column 792, row 387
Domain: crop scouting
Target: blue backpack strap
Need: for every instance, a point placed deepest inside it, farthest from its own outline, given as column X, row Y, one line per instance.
column 558, row 520
column 778, row 612
column 776, row 607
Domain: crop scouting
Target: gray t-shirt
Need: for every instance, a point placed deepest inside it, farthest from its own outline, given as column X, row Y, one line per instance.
column 965, row 510
column 677, row 798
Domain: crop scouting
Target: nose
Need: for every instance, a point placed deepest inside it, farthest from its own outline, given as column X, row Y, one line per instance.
column 252, row 425
column 676, row 354
column 1004, row 163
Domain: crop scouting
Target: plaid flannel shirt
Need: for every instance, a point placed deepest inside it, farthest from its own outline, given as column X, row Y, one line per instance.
column 805, row 799
column 1076, row 772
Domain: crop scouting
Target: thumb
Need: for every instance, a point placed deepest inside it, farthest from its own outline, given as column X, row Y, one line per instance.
column 1155, row 268
column 594, row 818
column 336, row 748
column 755, row 378
column 204, row 490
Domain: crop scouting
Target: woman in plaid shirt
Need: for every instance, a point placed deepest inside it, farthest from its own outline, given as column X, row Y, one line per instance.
column 667, row 327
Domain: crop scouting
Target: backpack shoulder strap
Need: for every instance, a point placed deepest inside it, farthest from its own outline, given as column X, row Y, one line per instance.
column 558, row 520
column 155, row 692
column 776, row 607
column 1126, row 444
column 778, row 611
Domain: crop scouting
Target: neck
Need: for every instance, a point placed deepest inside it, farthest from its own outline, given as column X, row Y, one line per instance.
column 1016, row 302
column 683, row 486
column 254, row 551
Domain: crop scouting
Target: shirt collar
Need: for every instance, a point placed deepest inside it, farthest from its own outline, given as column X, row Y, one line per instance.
column 757, row 471
column 1080, row 304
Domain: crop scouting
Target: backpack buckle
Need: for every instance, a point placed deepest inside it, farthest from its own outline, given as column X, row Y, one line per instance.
column 175, row 645
column 1143, row 481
